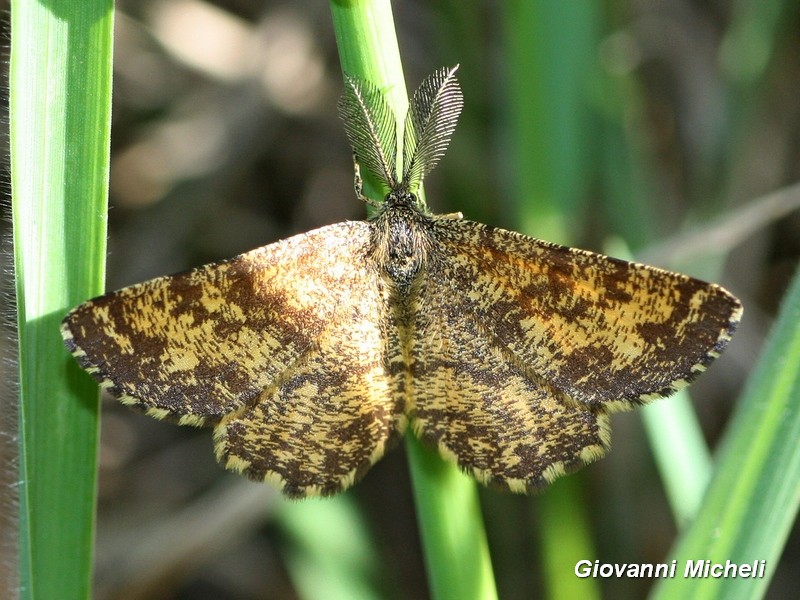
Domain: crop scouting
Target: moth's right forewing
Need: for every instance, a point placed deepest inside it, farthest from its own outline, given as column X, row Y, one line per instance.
column 194, row 346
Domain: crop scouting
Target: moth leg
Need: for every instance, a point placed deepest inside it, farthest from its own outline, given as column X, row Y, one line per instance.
column 455, row 216
column 358, row 184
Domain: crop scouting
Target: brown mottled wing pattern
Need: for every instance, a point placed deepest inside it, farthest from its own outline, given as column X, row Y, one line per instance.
column 309, row 355
column 605, row 332
column 319, row 428
column 476, row 403
column 524, row 347
column 195, row 346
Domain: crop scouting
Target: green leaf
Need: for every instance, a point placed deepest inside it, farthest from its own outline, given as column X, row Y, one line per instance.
column 453, row 537
column 754, row 494
column 332, row 556
column 60, row 82
column 368, row 50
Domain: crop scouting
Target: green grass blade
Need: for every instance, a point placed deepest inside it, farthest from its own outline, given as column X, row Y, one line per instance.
column 60, row 82
column 681, row 453
column 750, row 41
column 368, row 49
column 753, row 497
column 749, row 45
column 566, row 538
column 453, row 537
column 748, row 49
column 550, row 49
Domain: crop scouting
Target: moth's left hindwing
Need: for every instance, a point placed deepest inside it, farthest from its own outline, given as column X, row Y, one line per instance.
column 333, row 414
column 195, row 346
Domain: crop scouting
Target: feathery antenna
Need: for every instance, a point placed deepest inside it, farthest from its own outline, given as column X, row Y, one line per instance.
column 429, row 125
column 371, row 127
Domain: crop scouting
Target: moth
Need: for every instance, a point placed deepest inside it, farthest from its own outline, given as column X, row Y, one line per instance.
column 310, row 356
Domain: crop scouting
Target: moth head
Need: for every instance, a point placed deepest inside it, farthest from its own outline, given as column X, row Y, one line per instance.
column 401, row 197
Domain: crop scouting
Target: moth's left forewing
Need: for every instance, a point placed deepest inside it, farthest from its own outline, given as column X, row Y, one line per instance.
column 603, row 331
